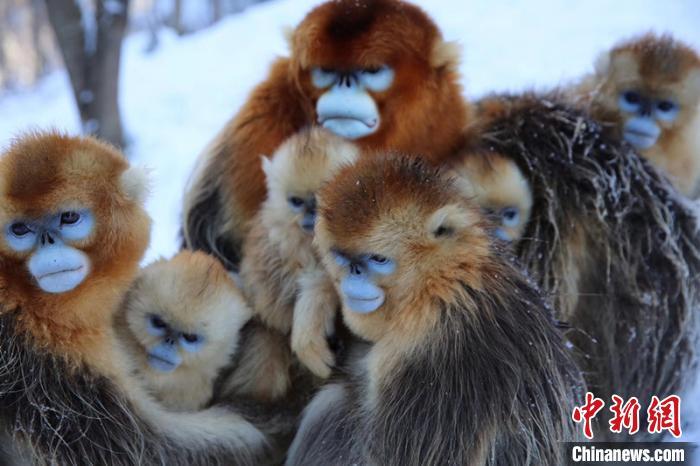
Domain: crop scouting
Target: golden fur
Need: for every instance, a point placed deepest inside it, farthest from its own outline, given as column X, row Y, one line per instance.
column 193, row 293
column 278, row 253
column 495, row 182
column 657, row 67
column 60, row 352
column 423, row 112
column 48, row 173
column 457, row 313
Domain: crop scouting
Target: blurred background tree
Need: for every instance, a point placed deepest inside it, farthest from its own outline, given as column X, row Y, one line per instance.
column 90, row 35
column 85, row 36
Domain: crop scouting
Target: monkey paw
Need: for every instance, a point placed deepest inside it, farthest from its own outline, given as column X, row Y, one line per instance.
column 315, row 354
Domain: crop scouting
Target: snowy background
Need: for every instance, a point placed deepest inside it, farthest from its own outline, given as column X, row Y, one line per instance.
column 175, row 99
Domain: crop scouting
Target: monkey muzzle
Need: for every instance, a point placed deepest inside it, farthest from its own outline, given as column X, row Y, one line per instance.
column 641, row 132
column 361, row 295
column 349, row 112
column 164, row 356
column 59, row 268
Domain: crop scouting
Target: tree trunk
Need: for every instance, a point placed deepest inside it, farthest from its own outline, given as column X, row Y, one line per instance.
column 90, row 42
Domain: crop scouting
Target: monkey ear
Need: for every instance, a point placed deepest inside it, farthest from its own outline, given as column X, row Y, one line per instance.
column 445, row 55
column 448, row 220
column 693, row 82
column 288, row 33
column 602, row 64
column 266, row 165
column 135, row 183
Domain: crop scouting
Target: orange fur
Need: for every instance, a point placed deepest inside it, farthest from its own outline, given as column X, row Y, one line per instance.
column 423, row 111
column 383, row 207
column 48, row 173
column 657, row 67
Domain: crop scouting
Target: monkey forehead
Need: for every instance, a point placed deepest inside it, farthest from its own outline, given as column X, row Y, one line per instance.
column 44, row 170
column 348, row 34
column 496, row 179
column 383, row 187
column 658, row 60
column 304, row 161
column 190, row 289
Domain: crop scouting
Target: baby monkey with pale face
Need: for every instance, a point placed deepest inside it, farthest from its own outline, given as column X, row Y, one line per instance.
column 281, row 273
column 498, row 187
column 181, row 323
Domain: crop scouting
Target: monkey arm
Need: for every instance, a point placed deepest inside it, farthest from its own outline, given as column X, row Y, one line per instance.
column 314, row 314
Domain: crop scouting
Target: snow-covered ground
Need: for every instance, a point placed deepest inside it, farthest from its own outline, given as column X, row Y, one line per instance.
column 175, row 99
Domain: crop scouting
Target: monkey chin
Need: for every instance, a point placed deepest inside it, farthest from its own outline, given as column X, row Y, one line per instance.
column 348, row 121
column 160, row 364
column 350, row 128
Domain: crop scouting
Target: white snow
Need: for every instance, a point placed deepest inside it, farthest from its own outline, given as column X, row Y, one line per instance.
column 175, row 99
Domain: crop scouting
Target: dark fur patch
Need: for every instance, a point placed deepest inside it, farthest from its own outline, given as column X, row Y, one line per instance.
column 462, row 392
column 203, row 225
column 352, row 19
column 635, row 317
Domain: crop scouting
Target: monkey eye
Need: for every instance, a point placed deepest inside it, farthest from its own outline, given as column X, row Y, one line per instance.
column 378, row 259
column 442, row 230
column 666, row 106
column 295, row 201
column 157, row 322
column 632, row 97
column 70, row 218
column 372, row 70
column 19, row 229
column 190, row 337
column 510, row 216
column 341, row 259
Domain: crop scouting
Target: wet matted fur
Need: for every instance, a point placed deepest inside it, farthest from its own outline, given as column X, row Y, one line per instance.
column 611, row 241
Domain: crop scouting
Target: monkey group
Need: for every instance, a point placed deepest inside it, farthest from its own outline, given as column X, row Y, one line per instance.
column 374, row 269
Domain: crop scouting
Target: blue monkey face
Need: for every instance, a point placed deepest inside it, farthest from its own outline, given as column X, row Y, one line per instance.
column 359, row 286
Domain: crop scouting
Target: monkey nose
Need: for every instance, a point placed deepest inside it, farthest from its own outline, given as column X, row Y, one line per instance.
column 355, row 269
column 47, row 238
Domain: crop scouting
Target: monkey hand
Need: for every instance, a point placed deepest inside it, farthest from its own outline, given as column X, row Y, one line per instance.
column 313, row 351
column 314, row 317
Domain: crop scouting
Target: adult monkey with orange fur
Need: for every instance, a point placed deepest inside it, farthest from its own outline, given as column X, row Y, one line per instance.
column 463, row 364
column 73, row 230
column 609, row 239
column 374, row 71
column 648, row 89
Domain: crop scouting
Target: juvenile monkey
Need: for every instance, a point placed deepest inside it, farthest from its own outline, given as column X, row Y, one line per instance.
column 498, row 186
column 279, row 260
column 649, row 89
column 463, row 364
column 181, row 323
column 72, row 232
